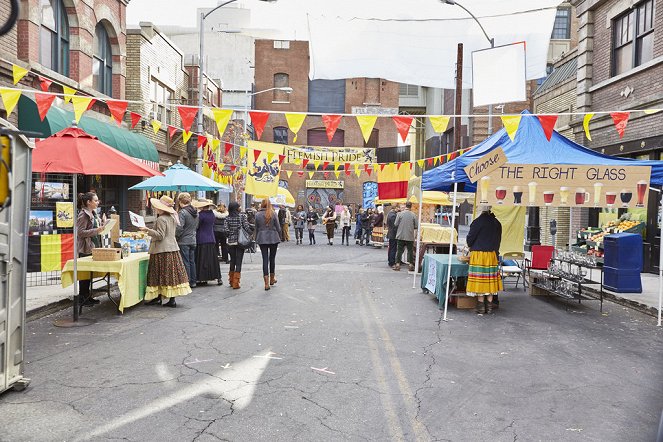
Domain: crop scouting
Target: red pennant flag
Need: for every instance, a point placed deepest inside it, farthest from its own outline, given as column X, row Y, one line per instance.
column 201, row 141
column 398, row 166
column 382, row 166
column 325, row 164
column 171, row 131
column 300, row 173
column 45, row 83
column 91, row 103
column 326, row 175
column 259, row 119
column 430, row 162
column 281, row 158
column 44, row 102
column 441, row 159
column 403, row 125
column 215, row 167
column 256, row 154
column 367, row 169
column 620, row 119
column 135, row 118
column 548, row 124
column 304, row 163
column 117, row 110
column 331, row 123
column 229, row 147
column 187, row 114
column 232, row 168
column 410, row 163
column 346, row 166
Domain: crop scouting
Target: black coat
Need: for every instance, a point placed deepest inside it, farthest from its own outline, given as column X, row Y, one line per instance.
column 391, row 228
column 485, row 234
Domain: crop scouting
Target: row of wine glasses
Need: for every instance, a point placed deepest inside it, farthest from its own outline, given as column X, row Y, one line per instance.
column 576, row 258
column 574, row 273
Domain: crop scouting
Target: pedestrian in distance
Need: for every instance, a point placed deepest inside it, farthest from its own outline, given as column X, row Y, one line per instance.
column 207, row 254
column 366, row 227
column 358, row 231
column 88, row 227
column 406, row 225
column 236, row 220
column 221, row 231
column 346, row 221
column 311, row 220
column 329, row 221
column 391, row 236
column 166, row 274
column 185, row 233
column 268, row 238
column 280, row 214
column 285, row 227
column 300, row 221
column 483, row 276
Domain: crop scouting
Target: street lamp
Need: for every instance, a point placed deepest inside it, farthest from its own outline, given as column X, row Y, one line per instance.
column 201, row 37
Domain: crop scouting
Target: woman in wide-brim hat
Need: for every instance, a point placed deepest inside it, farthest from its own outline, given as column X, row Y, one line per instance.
column 207, row 253
column 166, row 274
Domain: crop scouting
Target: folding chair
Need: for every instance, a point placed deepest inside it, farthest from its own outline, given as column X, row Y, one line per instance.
column 541, row 256
column 511, row 264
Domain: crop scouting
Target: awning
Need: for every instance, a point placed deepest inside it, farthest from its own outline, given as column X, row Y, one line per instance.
column 125, row 141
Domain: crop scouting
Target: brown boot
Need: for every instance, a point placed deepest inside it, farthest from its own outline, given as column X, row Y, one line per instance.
column 231, row 277
column 481, row 307
column 266, row 278
column 272, row 279
column 236, row 276
column 489, row 307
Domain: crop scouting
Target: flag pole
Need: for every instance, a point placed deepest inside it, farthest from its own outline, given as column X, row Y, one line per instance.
column 416, row 257
column 451, row 242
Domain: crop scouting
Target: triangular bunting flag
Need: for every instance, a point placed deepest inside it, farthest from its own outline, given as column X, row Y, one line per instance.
column 585, row 125
column 331, row 123
column 430, row 162
column 620, row 119
column 288, row 172
column 229, row 147
column 281, row 158
column 68, row 93
column 171, row 131
column 44, row 102
column 439, row 123
column 232, row 168
column 117, row 109
column 336, row 166
column 256, row 154
column 439, row 159
column 304, row 163
column 156, row 125
column 222, row 117
column 357, row 170
column 18, row 73
column 297, row 162
column 300, row 173
column 337, row 173
column 187, row 114
column 448, row 157
column 403, row 125
column 201, row 141
column 346, row 167
column 398, row 167
column 324, row 165
column 382, row 166
column 242, row 152
column 310, row 175
column 548, row 124
column 135, row 118
column 511, row 123
column 270, row 157
column 80, row 105
column 316, row 163
column 368, row 170
column 186, row 135
column 326, row 175
column 366, row 123
column 259, row 119
column 216, row 143
column 420, row 163
column 45, row 83
column 295, row 122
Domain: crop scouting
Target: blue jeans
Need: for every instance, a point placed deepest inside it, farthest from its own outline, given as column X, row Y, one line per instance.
column 366, row 234
column 391, row 253
column 188, row 253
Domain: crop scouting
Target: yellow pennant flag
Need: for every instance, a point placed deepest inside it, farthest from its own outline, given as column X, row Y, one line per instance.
column 297, row 161
column 288, row 172
column 222, row 117
column 439, row 123
column 18, row 73
column 420, row 163
column 310, row 175
column 10, row 98
column 336, row 166
column 242, row 152
column 216, row 143
column 270, row 157
column 295, row 122
column 585, row 125
column 366, row 123
column 435, row 161
column 316, row 163
column 207, row 171
column 337, row 173
column 222, row 166
column 357, row 170
column 244, row 169
column 652, row 111
column 186, row 135
column 68, row 93
column 511, row 123
column 156, row 125
column 80, row 106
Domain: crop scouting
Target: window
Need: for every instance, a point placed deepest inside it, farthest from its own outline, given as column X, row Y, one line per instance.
column 102, row 62
column 160, row 95
column 408, row 90
column 633, row 38
column 326, row 96
column 562, row 26
column 281, row 80
column 281, row 135
column 54, row 36
column 281, row 44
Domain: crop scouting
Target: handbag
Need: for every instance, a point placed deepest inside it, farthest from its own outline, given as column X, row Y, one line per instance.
column 244, row 239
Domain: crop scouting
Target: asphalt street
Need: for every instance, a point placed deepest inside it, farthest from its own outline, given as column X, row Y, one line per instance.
column 343, row 348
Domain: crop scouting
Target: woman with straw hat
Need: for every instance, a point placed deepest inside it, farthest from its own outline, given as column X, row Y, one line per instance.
column 166, row 275
column 207, row 253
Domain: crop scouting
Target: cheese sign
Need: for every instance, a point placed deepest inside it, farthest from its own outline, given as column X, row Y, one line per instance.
column 486, row 164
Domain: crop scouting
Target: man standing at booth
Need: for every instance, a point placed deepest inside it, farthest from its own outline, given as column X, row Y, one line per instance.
column 406, row 224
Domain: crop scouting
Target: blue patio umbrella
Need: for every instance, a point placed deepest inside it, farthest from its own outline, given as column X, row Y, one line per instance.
column 181, row 179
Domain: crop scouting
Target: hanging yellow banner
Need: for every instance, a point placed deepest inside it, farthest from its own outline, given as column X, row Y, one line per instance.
column 18, row 73
column 585, row 125
column 366, row 124
column 511, row 123
column 80, row 105
column 295, row 122
column 222, row 117
column 10, row 98
column 439, row 123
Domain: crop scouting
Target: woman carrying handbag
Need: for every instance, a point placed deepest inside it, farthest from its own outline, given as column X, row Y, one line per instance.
column 268, row 237
column 238, row 226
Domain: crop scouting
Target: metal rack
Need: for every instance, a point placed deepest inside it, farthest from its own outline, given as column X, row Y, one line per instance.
column 569, row 284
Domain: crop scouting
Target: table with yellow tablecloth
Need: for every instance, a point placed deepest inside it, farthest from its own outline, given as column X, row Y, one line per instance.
column 435, row 233
column 130, row 272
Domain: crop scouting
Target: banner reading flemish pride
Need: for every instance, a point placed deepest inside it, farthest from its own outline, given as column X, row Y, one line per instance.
column 565, row 185
column 352, row 155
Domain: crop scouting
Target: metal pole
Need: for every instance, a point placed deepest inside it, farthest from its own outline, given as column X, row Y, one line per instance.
column 459, row 96
column 490, row 107
column 660, row 263
column 416, row 258
column 75, row 199
column 201, row 37
column 451, row 242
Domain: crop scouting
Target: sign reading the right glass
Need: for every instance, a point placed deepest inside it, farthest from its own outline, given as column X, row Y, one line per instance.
column 565, row 185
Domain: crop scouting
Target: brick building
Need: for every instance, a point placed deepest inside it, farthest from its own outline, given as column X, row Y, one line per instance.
column 286, row 64
column 620, row 67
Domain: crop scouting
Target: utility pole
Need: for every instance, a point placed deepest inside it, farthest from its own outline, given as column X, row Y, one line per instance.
column 459, row 96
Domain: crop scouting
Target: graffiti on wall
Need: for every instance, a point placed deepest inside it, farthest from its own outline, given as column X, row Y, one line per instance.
column 320, row 199
column 369, row 194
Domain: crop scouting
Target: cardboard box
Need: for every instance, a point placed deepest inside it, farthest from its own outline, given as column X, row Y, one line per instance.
column 465, row 302
column 111, row 254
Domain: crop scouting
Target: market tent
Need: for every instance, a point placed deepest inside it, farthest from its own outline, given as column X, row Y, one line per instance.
column 529, row 146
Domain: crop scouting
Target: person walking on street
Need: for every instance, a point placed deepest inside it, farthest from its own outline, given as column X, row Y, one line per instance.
column 185, row 233
column 88, row 228
column 285, row 227
column 166, row 275
column 406, row 224
column 268, row 238
column 346, row 221
column 221, row 231
column 358, row 231
column 329, row 220
column 236, row 220
column 311, row 220
column 366, row 227
column 300, row 222
column 483, row 277
column 207, row 254
column 391, row 236
column 280, row 215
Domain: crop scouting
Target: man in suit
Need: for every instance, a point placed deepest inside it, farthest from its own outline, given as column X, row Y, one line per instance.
column 406, row 225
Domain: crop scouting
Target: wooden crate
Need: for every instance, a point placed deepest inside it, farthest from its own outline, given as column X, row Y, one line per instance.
column 110, row 254
column 464, row 302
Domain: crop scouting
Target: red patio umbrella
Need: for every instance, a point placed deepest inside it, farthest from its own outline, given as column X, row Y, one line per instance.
column 74, row 151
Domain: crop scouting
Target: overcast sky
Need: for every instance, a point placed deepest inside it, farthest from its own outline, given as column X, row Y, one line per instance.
column 166, row 12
